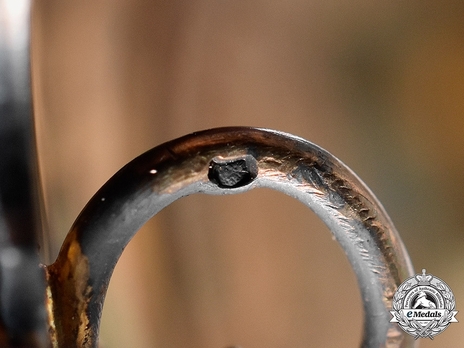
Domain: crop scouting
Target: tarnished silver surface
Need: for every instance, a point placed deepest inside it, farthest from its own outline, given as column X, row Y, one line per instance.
column 219, row 161
column 226, row 161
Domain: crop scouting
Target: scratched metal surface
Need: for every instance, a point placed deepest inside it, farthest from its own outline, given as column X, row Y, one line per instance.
column 226, row 161
column 379, row 85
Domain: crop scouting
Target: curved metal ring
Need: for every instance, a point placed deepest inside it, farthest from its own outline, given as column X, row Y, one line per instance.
column 226, row 161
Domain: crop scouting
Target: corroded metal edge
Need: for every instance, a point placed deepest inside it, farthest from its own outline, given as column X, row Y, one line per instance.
column 68, row 295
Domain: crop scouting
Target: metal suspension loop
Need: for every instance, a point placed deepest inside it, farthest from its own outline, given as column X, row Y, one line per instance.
column 226, row 161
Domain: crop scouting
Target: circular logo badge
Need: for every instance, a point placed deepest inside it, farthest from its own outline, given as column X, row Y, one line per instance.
column 424, row 306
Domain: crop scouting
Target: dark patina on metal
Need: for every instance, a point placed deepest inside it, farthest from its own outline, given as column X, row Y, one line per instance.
column 221, row 161
column 217, row 161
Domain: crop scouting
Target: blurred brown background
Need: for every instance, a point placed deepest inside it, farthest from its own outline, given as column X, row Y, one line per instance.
column 378, row 84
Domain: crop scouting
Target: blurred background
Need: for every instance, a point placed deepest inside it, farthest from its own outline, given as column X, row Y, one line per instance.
column 378, row 84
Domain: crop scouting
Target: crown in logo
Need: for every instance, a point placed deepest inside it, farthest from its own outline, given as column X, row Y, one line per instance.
column 423, row 279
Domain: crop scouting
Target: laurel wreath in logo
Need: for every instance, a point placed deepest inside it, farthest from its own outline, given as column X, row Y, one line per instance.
column 434, row 327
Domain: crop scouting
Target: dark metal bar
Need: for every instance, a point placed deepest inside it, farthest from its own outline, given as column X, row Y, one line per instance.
column 226, row 161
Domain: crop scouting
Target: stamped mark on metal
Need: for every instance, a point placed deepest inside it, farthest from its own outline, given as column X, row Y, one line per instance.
column 232, row 173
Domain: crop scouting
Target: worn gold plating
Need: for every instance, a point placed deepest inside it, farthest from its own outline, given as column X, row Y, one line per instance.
column 68, row 297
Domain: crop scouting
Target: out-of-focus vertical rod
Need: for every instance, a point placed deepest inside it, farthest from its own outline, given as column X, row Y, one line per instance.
column 22, row 284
